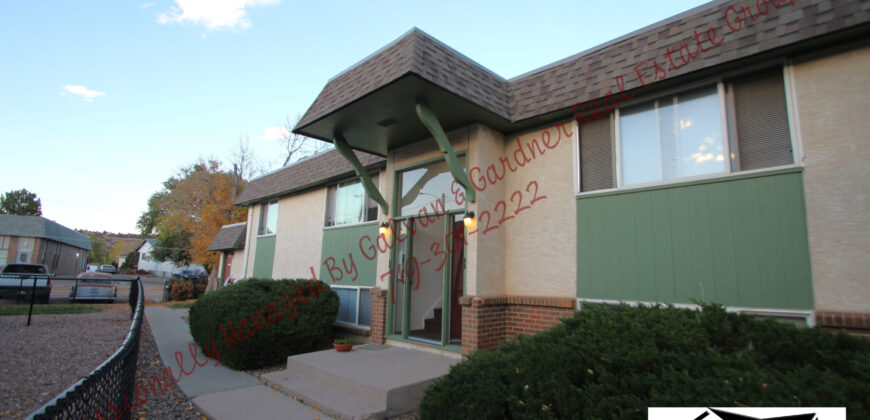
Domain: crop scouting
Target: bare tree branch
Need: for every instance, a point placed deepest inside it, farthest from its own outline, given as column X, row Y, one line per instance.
column 297, row 146
column 245, row 160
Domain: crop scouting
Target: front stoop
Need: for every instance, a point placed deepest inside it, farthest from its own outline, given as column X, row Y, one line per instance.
column 372, row 381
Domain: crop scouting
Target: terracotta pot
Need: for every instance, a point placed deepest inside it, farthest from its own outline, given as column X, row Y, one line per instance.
column 342, row 347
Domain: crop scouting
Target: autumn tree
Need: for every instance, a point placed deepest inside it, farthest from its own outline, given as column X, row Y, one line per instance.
column 189, row 211
column 20, row 202
column 99, row 254
column 120, row 248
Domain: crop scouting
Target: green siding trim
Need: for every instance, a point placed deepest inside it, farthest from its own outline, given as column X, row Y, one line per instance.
column 265, row 257
column 344, row 264
column 738, row 241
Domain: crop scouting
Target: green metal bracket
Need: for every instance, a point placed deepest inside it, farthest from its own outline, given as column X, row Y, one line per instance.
column 371, row 189
column 430, row 121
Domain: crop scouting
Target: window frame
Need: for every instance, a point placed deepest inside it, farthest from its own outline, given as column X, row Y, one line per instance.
column 356, row 323
column 264, row 218
column 725, row 101
column 332, row 200
column 616, row 138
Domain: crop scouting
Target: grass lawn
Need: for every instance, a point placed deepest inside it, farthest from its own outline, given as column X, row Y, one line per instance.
column 43, row 309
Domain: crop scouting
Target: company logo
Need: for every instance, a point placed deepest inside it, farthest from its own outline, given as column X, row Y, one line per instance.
column 747, row 413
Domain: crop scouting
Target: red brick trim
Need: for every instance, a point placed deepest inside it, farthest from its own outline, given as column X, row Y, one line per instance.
column 379, row 315
column 488, row 321
column 855, row 323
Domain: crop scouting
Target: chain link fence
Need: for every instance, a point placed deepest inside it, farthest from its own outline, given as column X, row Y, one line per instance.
column 108, row 391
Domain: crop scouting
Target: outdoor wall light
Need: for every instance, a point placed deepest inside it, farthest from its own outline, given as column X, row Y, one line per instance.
column 469, row 218
column 384, row 228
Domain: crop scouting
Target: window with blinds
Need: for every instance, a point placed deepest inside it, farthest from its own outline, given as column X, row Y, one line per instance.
column 760, row 121
column 680, row 136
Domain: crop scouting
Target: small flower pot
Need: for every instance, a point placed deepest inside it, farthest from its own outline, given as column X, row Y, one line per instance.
column 342, row 347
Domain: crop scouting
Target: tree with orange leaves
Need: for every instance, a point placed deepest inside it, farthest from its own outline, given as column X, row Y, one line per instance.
column 189, row 211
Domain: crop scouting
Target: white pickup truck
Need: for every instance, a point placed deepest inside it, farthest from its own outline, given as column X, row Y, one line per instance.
column 16, row 280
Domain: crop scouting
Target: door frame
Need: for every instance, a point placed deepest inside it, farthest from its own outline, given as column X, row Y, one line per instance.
column 446, row 272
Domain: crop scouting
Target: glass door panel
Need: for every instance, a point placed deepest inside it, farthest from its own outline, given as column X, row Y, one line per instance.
column 426, row 265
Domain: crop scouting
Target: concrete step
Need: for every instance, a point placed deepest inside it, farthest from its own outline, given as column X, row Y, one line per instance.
column 381, row 380
column 328, row 400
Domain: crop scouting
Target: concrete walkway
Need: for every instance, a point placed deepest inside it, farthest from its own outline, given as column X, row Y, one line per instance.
column 219, row 392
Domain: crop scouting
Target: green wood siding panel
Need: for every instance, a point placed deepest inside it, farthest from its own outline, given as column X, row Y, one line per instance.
column 342, row 261
column 265, row 257
column 739, row 241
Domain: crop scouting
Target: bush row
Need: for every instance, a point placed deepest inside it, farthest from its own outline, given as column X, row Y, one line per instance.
column 612, row 362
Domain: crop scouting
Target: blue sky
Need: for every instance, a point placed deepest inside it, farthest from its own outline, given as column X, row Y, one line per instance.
column 101, row 101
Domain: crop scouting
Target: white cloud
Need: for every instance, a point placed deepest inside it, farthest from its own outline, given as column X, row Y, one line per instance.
column 86, row 94
column 275, row 133
column 146, row 5
column 214, row 14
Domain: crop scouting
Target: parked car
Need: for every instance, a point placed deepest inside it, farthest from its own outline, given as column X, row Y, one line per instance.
column 93, row 286
column 17, row 280
column 108, row 268
column 192, row 275
column 92, row 269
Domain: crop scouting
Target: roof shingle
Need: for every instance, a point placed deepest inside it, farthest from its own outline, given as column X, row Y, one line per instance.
column 591, row 74
column 305, row 174
column 229, row 238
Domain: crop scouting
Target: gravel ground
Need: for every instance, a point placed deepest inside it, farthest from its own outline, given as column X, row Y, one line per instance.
column 171, row 404
column 40, row 361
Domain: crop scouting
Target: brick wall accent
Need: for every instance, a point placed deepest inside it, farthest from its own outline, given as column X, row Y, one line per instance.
column 488, row 321
column 379, row 315
column 854, row 323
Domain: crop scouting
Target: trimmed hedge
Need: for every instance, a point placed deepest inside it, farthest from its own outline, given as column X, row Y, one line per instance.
column 259, row 322
column 612, row 362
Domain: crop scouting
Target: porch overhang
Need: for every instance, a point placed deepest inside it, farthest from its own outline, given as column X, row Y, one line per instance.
column 386, row 118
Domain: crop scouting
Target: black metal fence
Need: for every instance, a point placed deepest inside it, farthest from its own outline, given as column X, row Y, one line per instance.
column 108, row 391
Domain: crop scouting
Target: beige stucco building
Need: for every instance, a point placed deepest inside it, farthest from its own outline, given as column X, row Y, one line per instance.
column 461, row 208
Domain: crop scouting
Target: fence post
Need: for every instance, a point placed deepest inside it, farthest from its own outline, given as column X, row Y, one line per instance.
column 32, row 297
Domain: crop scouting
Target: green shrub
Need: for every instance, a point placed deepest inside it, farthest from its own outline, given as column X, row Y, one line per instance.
column 612, row 362
column 259, row 322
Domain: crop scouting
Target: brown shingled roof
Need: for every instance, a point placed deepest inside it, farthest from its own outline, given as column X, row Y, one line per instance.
column 229, row 238
column 589, row 75
column 418, row 53
column 305, row 174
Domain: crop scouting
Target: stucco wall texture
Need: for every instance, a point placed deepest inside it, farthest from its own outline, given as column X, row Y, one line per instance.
column 541, row 242
column 833, row 96
column 299, row 238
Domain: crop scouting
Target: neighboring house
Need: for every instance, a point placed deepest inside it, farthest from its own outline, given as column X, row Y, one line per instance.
column 163, row 269
column 714, row 156
column 37, row 240
column 230, row 242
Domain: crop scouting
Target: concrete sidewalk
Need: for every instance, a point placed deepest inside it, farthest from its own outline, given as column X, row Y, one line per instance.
column 219, row 392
